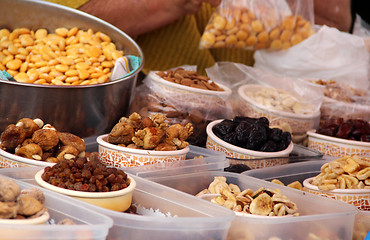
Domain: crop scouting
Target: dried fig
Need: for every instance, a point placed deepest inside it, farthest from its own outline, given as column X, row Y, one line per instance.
column 45, row 138
column 9, row 190
column 28, row 205
column 72, row 140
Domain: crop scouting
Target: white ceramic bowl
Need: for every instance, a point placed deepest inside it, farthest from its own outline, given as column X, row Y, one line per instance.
column 300, row 123
column 175, row 87
column 357, row 197
column 121, row 157
column 254, row 159
column 115, row 200
column 9, row 160
column 29, row 221
column 336, row 147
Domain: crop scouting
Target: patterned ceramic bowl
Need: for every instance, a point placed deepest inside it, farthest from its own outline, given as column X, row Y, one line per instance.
column 357, row 197
column 336, row 147
column 194, row 95
column 115, row 200
column 300, row 123
column 122, row 157
column 238, row 155
column 9, row 160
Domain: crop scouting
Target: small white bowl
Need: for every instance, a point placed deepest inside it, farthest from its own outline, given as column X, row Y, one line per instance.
column 29, row 221
column 300, row 123
column 115, row 200
column 9, row 160
column 186, row 89
column 336, row 147
column 357, row 197
column 122, row 157
column 254, row 159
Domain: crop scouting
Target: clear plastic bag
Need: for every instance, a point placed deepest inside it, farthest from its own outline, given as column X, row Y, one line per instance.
column 259, row 24
column 182, row 104
column 282, row 100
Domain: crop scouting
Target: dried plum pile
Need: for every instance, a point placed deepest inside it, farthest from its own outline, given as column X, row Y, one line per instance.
column 352, row 129
column 253, row 134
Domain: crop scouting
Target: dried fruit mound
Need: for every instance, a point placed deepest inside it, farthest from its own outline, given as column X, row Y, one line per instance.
column 253, row 134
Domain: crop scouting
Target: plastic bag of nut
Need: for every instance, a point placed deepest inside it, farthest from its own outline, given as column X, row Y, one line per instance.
column 259, row 24
column 183, row 96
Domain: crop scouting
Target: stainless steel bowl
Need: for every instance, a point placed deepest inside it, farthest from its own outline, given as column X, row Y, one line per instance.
column 82, row 110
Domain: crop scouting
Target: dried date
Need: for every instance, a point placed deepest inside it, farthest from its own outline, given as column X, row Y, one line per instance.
column 352, row 129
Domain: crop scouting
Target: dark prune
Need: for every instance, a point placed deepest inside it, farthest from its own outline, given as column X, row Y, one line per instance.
column 268, row 146
column 263, row 121
column 223, row 128
column 257, row 137
column 275, row 134
column 231, row 138
column 237, row 168
column 286, row 138
column 242, row 131
column 254, row 133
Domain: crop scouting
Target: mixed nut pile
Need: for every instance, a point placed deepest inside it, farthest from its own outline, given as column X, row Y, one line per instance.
column 279, row 100
column 150, row 133
column 31, row 138
column 189, row 78
column 263, row 202
column 238, row 27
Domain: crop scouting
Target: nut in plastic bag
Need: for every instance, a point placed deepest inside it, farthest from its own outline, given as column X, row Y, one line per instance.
column 259, row 24
column 171, row 94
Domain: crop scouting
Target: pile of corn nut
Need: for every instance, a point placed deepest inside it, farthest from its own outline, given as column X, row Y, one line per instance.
column 263, row 202
column 66, row 57
column 349, row 172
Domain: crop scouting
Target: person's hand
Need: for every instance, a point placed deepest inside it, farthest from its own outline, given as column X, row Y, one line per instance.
column 192, row 6
column 333, row 13
column 141, row 16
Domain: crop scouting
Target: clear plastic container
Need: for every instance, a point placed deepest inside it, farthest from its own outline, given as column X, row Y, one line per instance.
column 288, row 173
column 319, row 217
column 362, row 226
column 89, row 224
column 301, row 171
column 190, row 217
column 197, row 159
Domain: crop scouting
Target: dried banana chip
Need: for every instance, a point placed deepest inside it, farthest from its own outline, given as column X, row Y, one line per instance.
column 261, row 205
column 296, row 185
